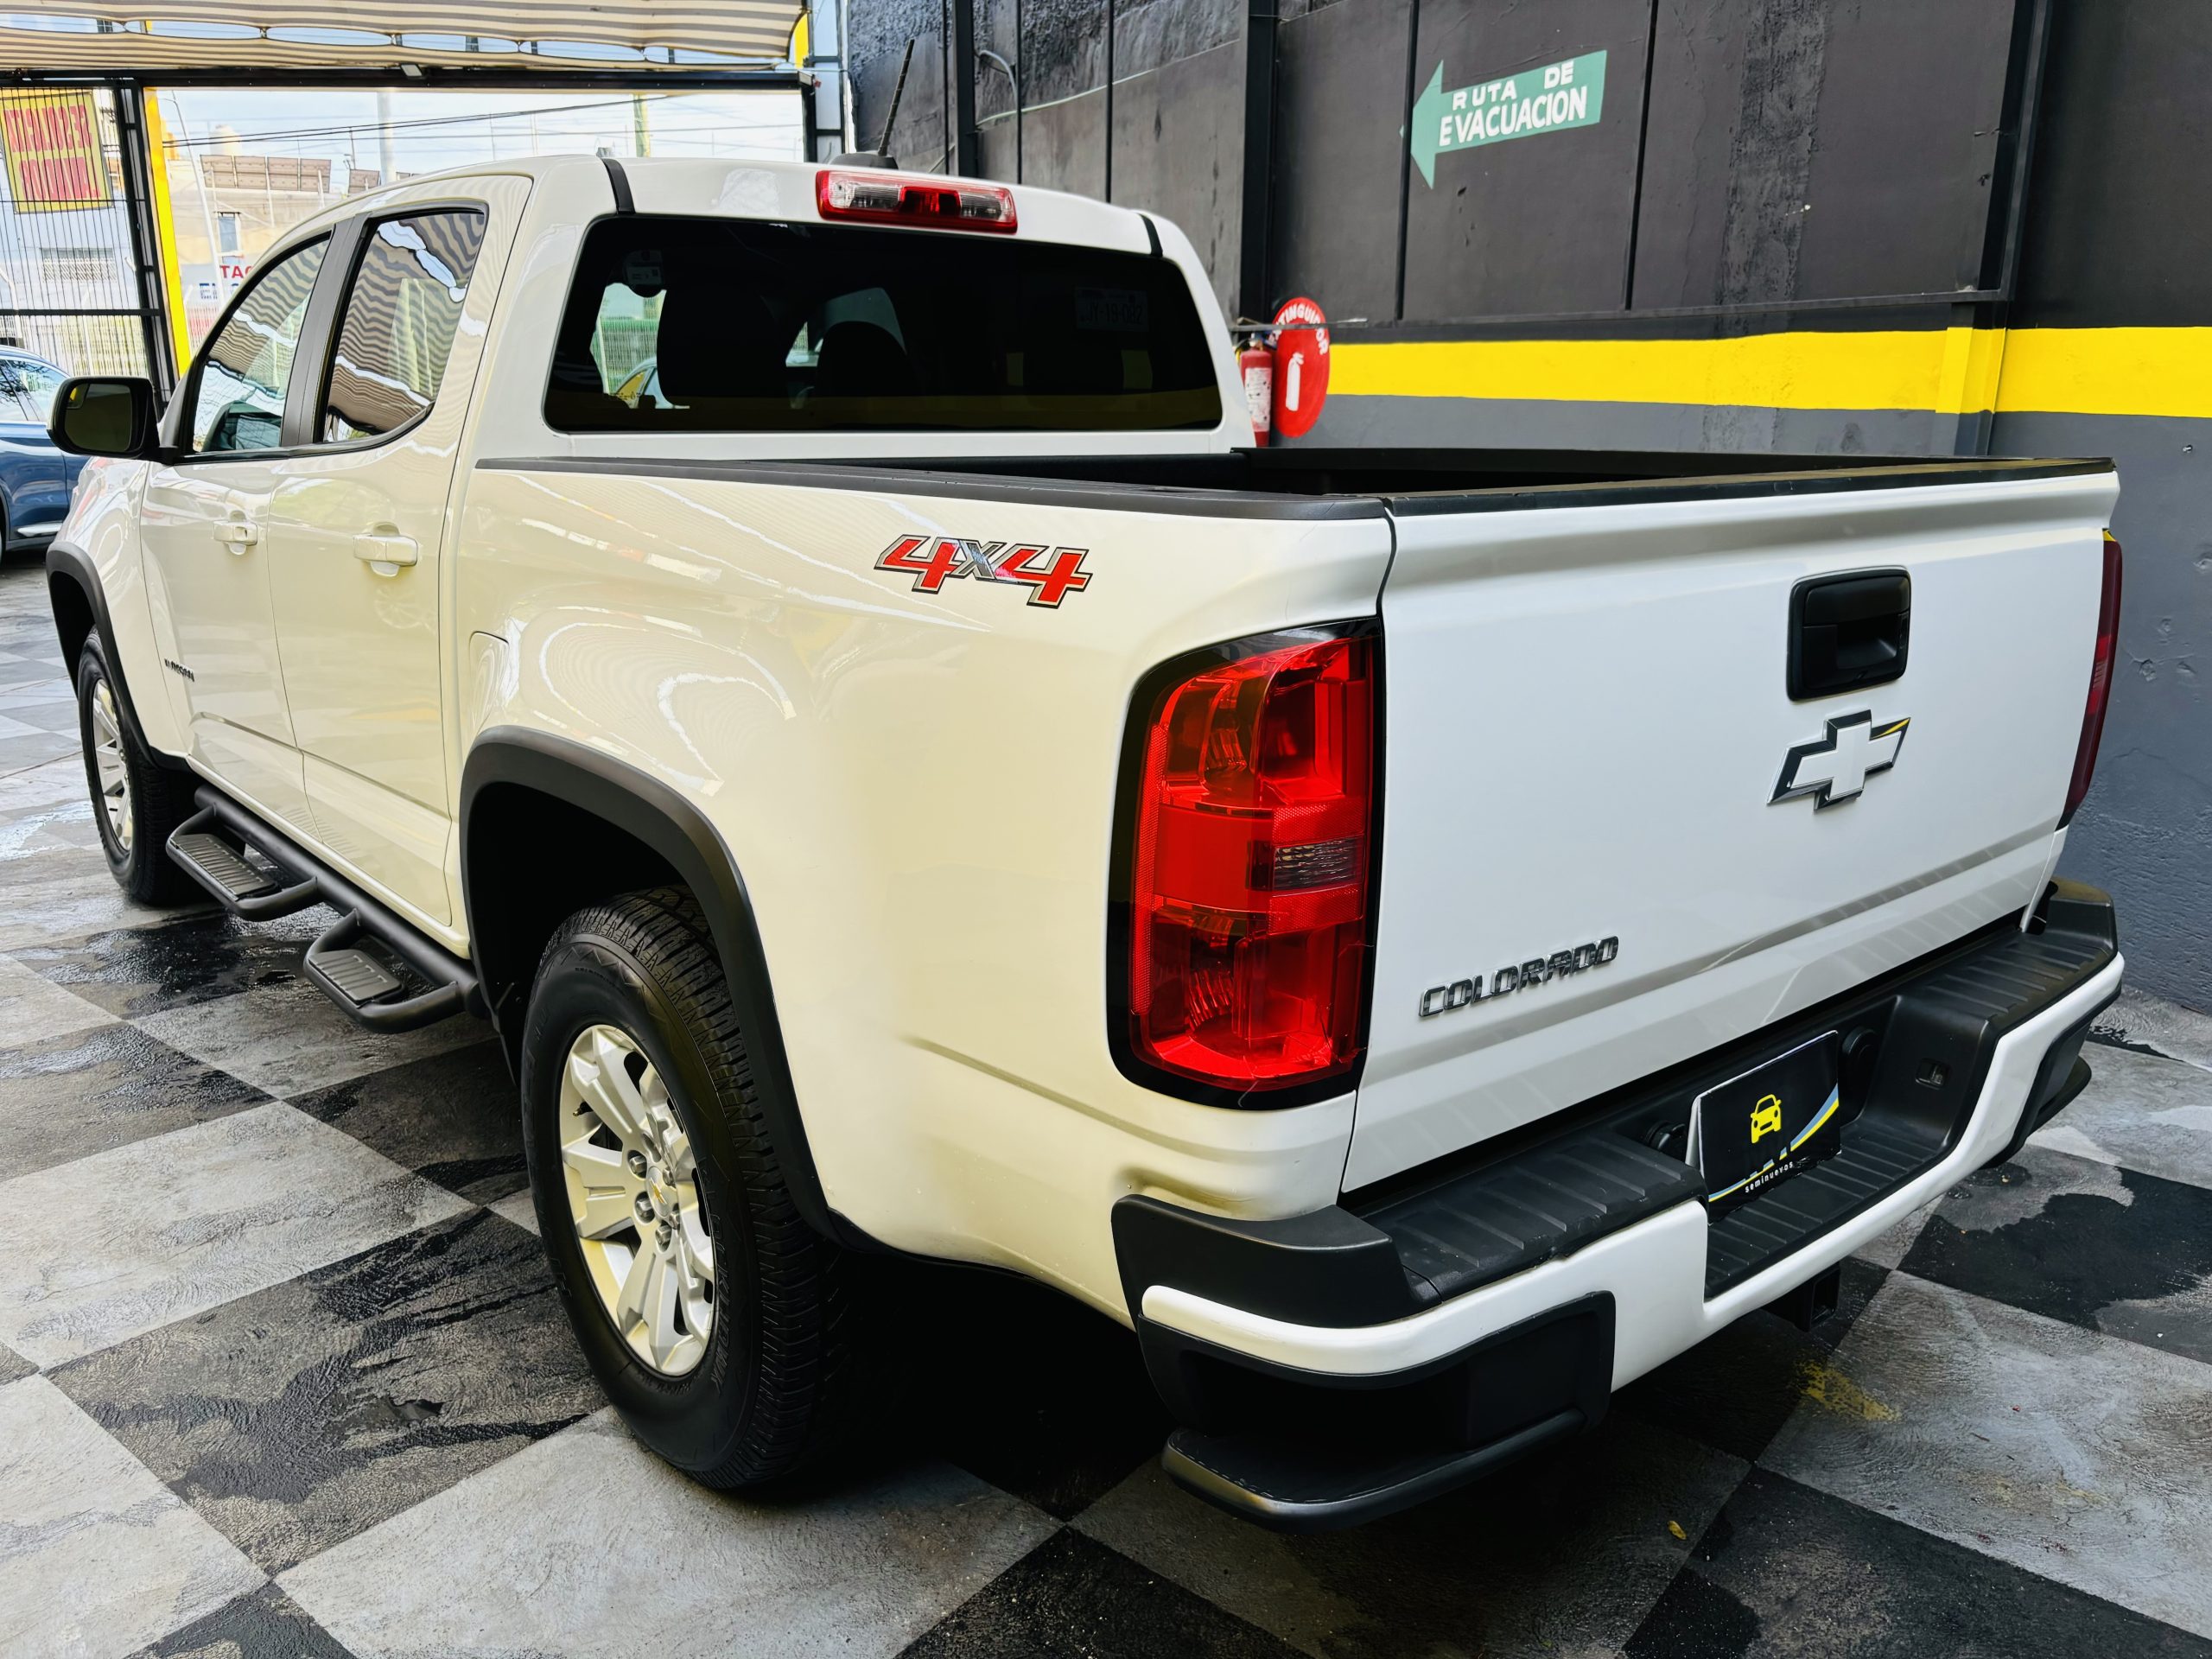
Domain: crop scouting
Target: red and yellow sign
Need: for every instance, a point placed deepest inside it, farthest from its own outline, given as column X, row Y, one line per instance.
column 52, row 141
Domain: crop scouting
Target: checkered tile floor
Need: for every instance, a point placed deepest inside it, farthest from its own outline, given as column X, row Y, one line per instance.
column 282, row 1373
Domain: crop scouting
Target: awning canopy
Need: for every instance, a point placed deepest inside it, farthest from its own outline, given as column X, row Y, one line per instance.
column 210, row 36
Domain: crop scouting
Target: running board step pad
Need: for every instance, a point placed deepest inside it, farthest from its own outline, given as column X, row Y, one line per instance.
column 220, row 862
column 357, row 974
column 370, row 962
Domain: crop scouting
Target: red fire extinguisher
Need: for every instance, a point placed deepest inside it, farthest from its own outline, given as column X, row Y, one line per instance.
column 1257, row 361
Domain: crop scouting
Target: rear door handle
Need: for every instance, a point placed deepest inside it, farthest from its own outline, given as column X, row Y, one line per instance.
column 382, row 547
column 237, row 534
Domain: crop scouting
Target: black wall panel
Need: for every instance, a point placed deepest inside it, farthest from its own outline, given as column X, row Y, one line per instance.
column 1910, row 107
column 1178, row 150
column 1152, row 33
column 1063, row 102
column 1793, row 149
column 1819, row 148
column 998, row 147
column 881, row 29
column 2121, row 233
column 1335, row 232
column 998, row 138
column 1064, row 144
column 1539, row 223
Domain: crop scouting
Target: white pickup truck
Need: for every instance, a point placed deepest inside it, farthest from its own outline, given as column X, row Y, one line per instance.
column 812, row 655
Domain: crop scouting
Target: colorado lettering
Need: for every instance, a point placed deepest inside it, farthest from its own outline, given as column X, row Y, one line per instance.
column 1518, row 976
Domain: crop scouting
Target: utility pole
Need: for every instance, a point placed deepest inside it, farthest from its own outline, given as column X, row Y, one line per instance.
column 387, row 158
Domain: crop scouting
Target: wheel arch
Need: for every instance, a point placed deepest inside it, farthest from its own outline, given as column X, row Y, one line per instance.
column 72, row 586
column 639, row 832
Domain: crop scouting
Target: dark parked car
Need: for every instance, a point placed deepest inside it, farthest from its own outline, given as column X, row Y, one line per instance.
column 34, row 477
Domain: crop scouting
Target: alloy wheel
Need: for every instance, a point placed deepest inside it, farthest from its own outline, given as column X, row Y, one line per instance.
column 633, row 1195
column 108, row 762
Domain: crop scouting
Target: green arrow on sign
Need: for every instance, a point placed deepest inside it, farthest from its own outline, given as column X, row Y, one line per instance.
column 1558, row 96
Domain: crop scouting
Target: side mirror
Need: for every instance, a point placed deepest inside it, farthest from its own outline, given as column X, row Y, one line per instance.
column 104, row 414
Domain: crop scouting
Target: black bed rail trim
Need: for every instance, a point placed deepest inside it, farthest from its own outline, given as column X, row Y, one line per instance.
column 1737, row 486
column 1030, row 479
column 917, row 477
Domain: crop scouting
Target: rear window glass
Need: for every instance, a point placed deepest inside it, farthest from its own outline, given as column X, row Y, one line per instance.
column 707, row 325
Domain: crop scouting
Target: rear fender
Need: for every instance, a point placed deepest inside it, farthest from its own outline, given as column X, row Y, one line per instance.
column 649, row 811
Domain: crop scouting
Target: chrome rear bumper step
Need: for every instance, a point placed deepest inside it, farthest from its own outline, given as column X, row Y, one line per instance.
column 383, row 973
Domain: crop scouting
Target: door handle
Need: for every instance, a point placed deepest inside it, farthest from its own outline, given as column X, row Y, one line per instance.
column 383, row 546
column 1848, row 631
column 237, row 534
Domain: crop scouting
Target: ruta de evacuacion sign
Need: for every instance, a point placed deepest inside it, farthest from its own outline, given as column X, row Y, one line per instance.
column 1549, row 99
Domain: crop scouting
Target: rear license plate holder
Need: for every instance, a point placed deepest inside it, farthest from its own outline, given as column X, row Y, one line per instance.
column 1765, row 1125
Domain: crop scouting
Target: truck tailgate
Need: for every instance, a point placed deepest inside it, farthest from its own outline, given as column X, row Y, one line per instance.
column 1588, row 723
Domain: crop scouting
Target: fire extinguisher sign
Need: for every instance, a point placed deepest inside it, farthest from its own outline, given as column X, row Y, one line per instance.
column 1301, row 377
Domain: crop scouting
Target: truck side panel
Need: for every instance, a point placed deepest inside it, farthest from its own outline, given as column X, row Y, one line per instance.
column 103, row 527
column 919, row 789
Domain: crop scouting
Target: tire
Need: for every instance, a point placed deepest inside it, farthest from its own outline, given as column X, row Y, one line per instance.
column 766, row 1390
column 118, row 768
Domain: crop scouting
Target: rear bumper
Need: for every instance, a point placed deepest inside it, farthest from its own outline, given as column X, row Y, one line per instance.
column 1332, row 1367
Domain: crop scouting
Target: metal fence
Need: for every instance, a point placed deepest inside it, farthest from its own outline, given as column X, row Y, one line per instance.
column 78, row 280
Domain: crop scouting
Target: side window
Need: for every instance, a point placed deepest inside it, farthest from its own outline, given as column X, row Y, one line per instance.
column 26, row 390
column 40, row 382
column 238, row 402
column 15, row 391
column 401, row 314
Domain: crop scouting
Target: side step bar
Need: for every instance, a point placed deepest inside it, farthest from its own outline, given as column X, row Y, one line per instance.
column 369, row 963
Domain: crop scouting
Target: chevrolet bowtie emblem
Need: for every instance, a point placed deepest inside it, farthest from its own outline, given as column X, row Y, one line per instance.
column 1835, row 768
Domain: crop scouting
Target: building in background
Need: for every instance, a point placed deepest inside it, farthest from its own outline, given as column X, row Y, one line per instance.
column 1888, row 226
column 227, row 205
column 242, row 165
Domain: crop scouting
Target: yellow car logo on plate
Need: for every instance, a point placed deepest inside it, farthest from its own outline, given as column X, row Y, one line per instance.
column 1766, row 1118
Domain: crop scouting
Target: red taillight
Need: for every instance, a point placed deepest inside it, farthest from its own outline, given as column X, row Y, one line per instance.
column 1250, row 866
column 905, row 199
column 2093, row 712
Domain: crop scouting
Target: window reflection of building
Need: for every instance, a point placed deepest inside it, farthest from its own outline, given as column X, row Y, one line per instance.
column 227, row 206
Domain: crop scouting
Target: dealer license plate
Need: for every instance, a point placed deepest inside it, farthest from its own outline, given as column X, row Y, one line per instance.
column 1770, row 1124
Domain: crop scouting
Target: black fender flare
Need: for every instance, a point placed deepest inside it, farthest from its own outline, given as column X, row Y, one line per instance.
column 644, row 807
column 67, row 562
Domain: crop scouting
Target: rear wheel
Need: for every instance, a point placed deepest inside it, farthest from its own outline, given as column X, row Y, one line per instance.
column 715, row 1318
column 136, row 800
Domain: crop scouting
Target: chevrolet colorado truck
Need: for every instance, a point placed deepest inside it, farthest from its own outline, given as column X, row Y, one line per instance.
column 813, row 656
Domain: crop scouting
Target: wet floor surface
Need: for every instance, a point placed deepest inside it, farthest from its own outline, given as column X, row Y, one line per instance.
column 281, row 1372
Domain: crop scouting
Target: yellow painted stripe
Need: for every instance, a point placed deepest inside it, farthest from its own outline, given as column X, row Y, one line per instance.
column 1887, row 369
column 165, row 231
column 1954, row 370
column 2108, row 372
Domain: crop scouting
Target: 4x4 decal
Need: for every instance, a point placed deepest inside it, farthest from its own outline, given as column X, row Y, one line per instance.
column 1050, row 574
